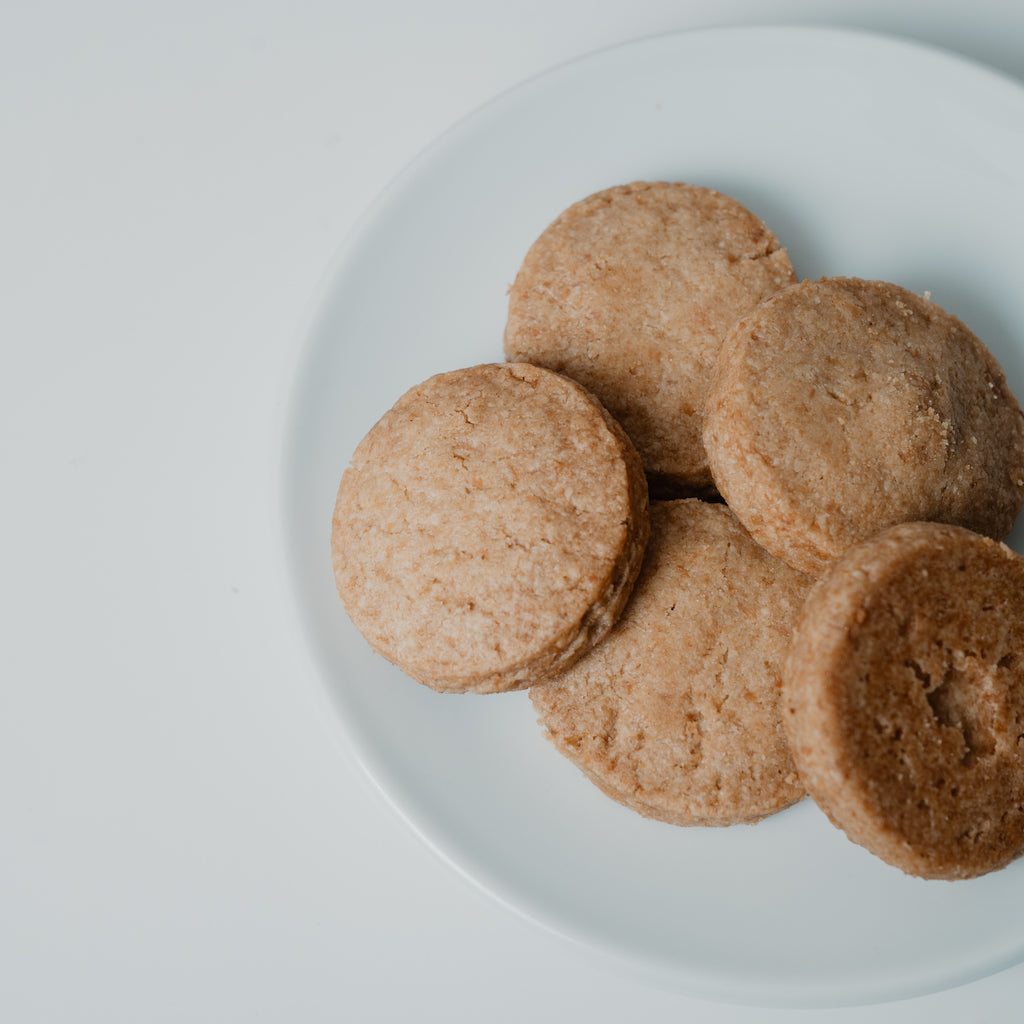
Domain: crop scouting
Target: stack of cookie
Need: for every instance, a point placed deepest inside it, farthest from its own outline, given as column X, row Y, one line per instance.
column 815, row 599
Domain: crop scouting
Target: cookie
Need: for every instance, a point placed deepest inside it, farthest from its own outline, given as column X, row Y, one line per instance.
column 489, row 528
column 630, row 292
column 904, row 699
column 841, row 406
column 676, row 714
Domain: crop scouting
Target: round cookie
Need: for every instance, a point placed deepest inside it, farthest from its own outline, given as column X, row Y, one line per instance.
column 676, row 714
column 630, row 291
column 904, row 699
column 841, row 406
column 489, row 528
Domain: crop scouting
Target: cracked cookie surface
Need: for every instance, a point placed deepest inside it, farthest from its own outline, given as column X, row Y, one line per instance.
column 842, row 406
column 904, row 699
column 489, row 528
column 630, row 292
column 676, row 714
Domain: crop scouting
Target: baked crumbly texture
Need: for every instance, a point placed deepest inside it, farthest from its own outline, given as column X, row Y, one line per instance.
column 489, row 528
column 841, row 406
column 904, row 699
column 676, row 714
column 630, row 292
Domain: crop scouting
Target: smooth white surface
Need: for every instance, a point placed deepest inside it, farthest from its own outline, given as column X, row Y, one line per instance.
column 185, row 835
column 474, row 776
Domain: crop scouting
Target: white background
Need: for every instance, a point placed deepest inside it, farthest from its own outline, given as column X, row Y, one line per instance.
column 184, row 835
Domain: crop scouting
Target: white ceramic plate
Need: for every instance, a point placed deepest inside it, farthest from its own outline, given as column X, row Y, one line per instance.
column 868, row 157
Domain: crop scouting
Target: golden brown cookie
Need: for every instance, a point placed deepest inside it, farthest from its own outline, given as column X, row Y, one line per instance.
column 842, row 406
column 676, row 714
column 489, row 528
column 630, row 292
column 904, row 697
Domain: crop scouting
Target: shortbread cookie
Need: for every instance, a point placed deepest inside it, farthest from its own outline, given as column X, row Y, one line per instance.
column 676, row 714
column 904, row 698
column 630, row 292
column 841, row 406
column 489, row 528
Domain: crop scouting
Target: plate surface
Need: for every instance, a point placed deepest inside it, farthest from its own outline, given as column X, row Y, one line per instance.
column 868, row 157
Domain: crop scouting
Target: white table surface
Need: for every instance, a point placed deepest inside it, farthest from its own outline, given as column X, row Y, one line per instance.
column 185, row 836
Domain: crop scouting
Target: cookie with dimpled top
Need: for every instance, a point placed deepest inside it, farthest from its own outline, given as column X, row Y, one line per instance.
column 903, row 698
